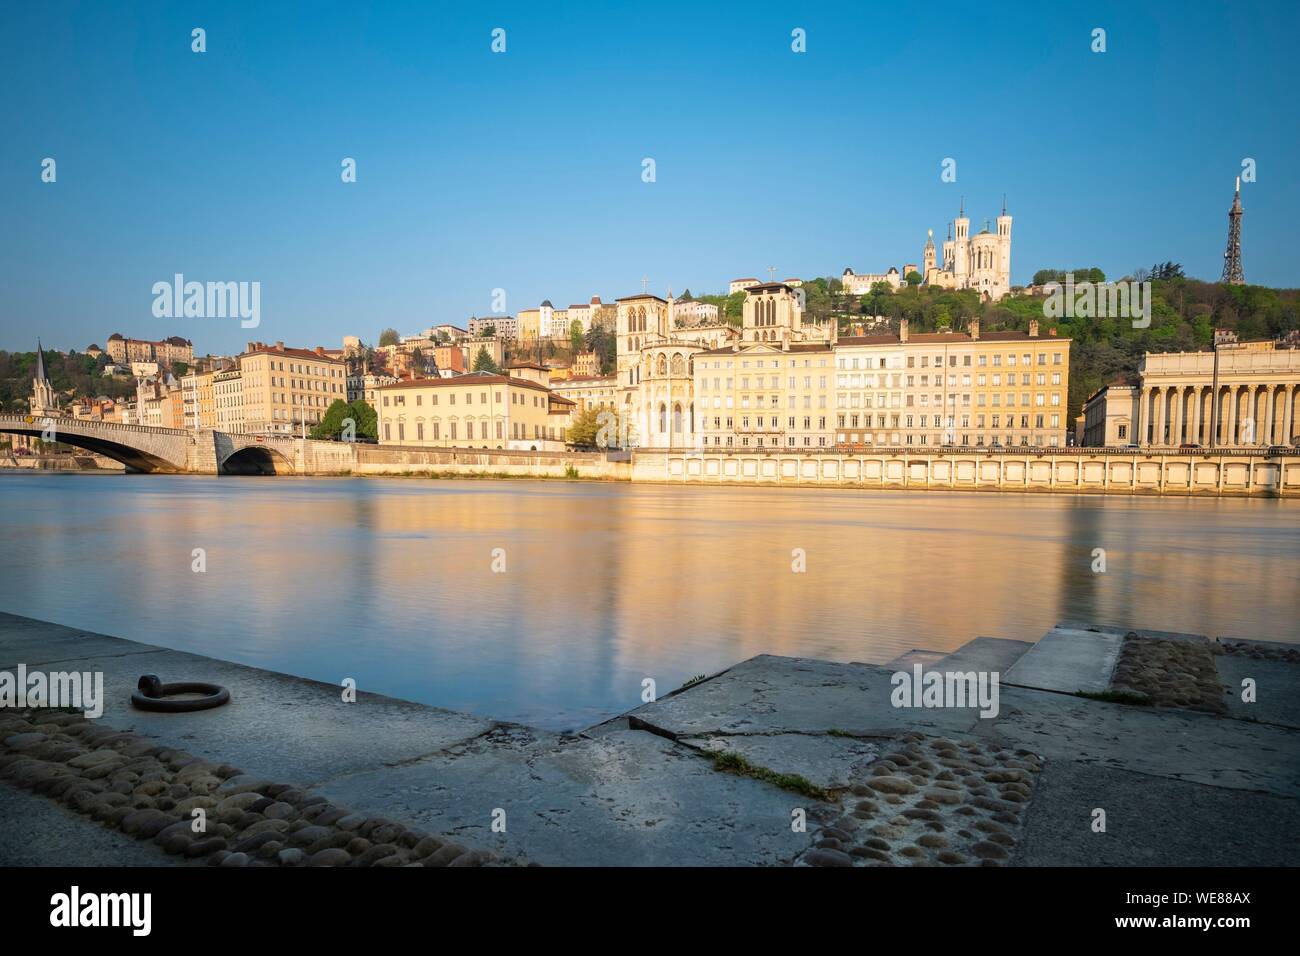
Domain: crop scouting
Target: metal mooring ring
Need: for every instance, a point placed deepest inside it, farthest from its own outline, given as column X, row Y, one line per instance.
column 153, row 694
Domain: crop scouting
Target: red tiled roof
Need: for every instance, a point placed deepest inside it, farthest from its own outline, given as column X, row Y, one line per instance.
column 470, row 378
column 292, row 353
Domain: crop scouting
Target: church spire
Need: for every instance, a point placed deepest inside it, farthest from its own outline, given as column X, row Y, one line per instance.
column 41, row 375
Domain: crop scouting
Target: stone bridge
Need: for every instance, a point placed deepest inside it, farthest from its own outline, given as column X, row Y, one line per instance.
column 203, row 451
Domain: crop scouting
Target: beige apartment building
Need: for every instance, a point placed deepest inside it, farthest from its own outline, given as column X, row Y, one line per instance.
column 124, row 351
column 471, row 345
column 1250, row 397
column 528, row 325
column 476, row 410
column 228, row 400
column 199, row 399
column 947, row 388
column 362, row 386
column 761, row 395
column 285, row 390
column 590, row 391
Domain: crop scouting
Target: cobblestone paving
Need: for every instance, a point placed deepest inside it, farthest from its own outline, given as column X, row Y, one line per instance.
column 1170, row 673
column 129, row 783
column 931, row 801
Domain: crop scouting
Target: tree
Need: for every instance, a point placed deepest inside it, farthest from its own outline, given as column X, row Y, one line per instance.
column 364, row 420
column 180, row 369
column 490, row 330
column 389, row 337
column 604, row 343
column 575, row 335
column 483, row 362
column 585, row 427
column 734, row 311
column 914, row 278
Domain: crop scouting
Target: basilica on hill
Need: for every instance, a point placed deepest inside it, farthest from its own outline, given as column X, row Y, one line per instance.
column 981, row 262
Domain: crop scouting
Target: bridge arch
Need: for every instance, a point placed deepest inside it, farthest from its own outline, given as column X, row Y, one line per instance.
column 140, row 448
column 256, row 460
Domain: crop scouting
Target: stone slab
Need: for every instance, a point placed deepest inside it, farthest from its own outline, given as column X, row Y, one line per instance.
column 1199, row 748
column 1068, row 660
column 916, row 655
column 1152, row 821
column 624, row 798
column 276, row 726
column 992, row 654
column 829, row 762
column 769, row 694
column 1277, row 689
column 24, row 640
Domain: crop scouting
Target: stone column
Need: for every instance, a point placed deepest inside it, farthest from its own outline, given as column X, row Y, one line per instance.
column 1268, row 415
column 1259, row 408
column 1171, row 416
column 1230, row 417
column 1195, row 416
column 1240, row 398
column 1178, row 415
column 1140, row 422
column 1288, row 413
column 1220, row 415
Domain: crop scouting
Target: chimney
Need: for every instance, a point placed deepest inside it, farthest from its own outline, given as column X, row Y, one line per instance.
column 251, row 346
column 279, row 346
column 975, row 329
column 1033, row 328
column 902, row 330
column 320, row 350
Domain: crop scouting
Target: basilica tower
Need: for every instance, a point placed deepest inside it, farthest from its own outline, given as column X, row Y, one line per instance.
column 961, row 239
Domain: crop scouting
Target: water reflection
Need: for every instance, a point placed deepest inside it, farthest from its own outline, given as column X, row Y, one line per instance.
column 391, row 582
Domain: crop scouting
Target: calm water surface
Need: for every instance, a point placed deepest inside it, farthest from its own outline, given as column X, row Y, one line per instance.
column 390, row 581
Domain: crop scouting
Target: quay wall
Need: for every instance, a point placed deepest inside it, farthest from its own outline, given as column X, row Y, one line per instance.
column 469, row 462
column 1090, row 471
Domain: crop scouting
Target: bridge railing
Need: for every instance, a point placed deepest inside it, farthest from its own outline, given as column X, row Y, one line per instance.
column 64, row 421
column 1035, row 451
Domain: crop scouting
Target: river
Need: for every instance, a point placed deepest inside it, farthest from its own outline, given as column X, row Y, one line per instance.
column 599, row 586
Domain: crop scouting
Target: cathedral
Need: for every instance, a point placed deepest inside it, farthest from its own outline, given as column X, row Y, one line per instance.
column 982, row 262
column 657, row 356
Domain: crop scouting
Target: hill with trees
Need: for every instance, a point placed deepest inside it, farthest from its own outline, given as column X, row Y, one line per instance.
column 73, row 374
column 1184, row 314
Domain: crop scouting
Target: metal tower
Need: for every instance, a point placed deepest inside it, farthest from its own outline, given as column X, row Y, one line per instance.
column 1232, row 273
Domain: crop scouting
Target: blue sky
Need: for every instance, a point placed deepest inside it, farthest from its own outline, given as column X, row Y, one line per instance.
column 522, row 170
